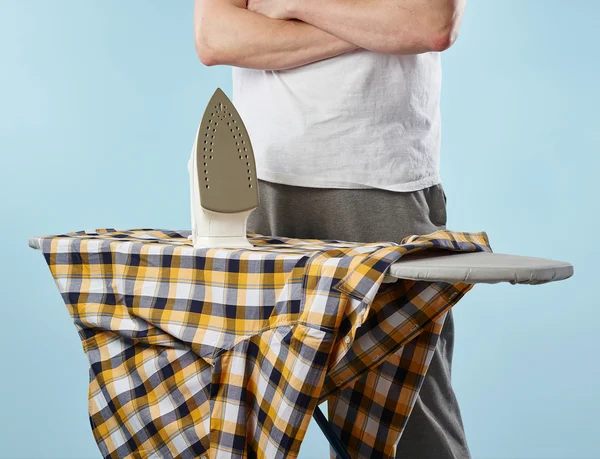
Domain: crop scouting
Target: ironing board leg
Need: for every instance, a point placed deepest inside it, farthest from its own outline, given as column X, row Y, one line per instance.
column 332, row 438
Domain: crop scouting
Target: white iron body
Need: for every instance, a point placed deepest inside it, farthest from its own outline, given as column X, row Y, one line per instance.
column 223, row 181
column 214, row 229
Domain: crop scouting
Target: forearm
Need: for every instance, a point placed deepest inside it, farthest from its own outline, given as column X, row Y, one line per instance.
column 386, row 26
column 232, row 35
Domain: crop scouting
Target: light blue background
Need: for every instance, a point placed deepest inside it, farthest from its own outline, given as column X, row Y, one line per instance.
column 99, row 102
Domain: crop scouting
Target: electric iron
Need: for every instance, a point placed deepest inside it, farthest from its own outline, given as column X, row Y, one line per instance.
column 223, row 184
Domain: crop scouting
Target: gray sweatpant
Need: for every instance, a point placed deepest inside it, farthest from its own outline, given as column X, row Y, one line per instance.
column 434, row 429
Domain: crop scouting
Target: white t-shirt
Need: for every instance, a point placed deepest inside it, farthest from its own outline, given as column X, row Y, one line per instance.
column 358, row 120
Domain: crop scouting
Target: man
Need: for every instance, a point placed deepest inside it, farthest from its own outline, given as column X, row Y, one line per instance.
column 341, row 103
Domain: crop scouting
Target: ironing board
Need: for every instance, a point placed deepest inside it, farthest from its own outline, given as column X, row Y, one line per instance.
column 471, row 267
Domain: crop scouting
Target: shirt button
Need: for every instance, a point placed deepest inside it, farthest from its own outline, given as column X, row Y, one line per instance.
column 339, row 383
column 452, row 295
column 347, row 339
column 203, row 457
column 375, row 358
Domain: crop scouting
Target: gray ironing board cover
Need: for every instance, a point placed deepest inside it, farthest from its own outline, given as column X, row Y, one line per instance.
column 469, row 267
column 479, row 267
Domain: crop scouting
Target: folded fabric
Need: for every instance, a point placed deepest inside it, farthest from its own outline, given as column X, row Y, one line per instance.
column 226, row 352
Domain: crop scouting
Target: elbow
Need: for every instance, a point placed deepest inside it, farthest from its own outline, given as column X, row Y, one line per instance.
column 441, row 41
column 434, row 30
column 442, row 30
column 206, row 55
column 205, row 43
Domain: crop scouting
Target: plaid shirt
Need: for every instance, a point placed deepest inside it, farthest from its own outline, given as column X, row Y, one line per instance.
column 226, row 352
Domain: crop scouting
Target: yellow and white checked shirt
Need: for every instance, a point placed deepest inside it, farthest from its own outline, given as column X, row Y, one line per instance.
column 226, row 352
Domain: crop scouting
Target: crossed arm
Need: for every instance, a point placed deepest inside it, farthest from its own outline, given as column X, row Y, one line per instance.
column 282, row 34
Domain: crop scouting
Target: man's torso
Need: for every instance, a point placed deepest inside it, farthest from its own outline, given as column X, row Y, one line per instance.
column 358, row 120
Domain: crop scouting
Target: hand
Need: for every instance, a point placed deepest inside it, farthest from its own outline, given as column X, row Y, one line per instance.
column 274, row 9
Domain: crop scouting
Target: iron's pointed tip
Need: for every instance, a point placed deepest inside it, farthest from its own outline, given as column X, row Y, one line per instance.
column 219, row 94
